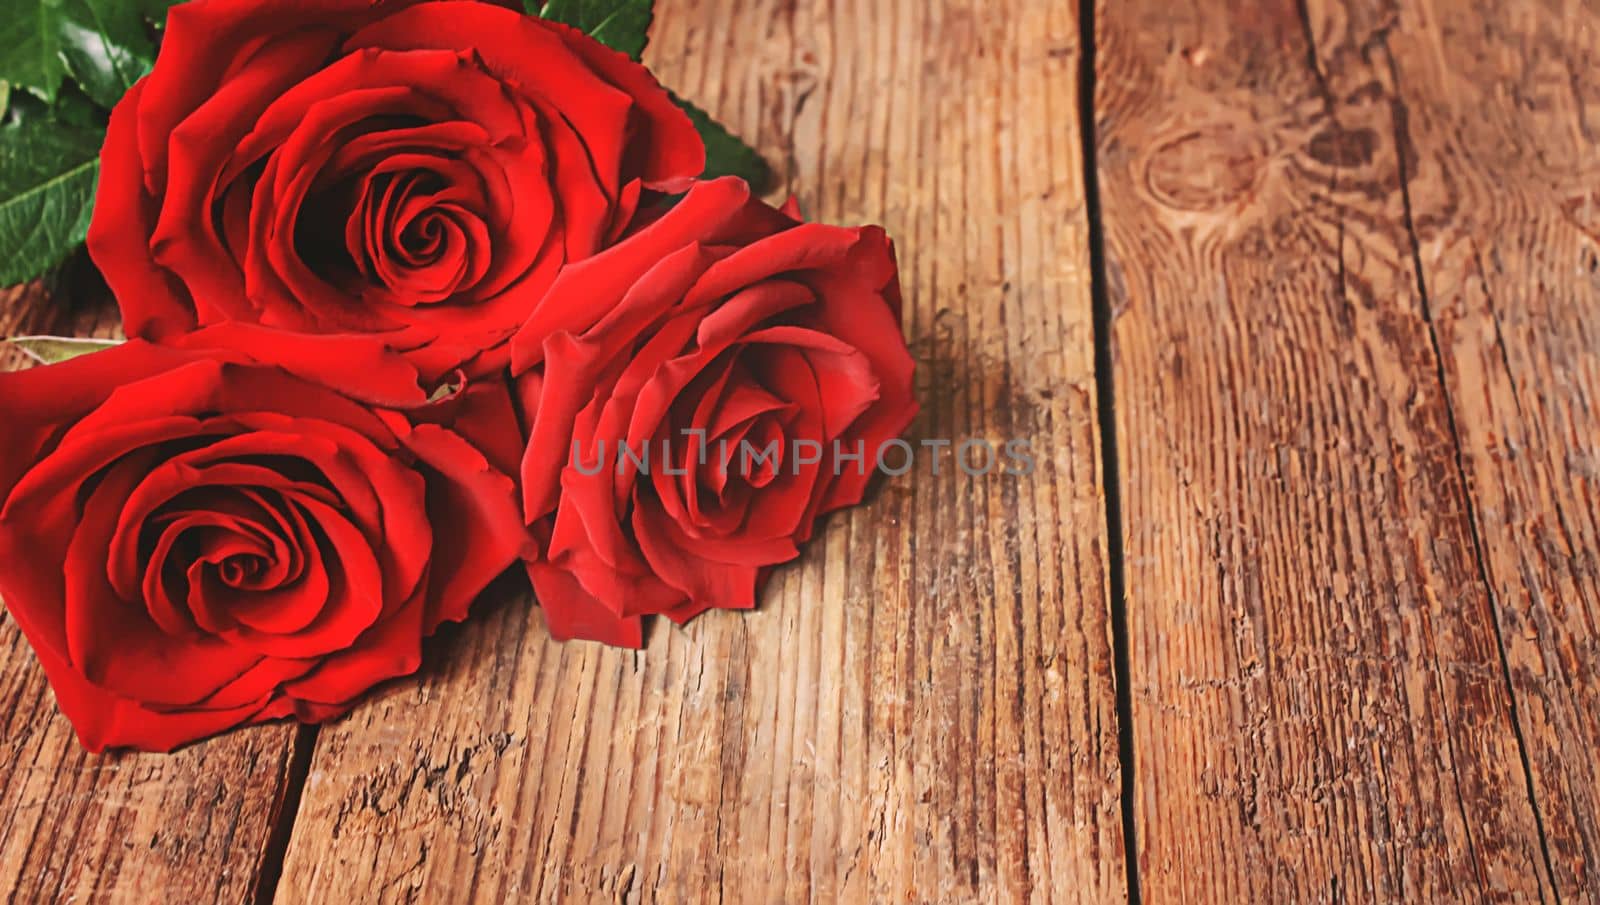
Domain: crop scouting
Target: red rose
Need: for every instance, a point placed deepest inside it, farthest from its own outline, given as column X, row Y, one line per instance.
column 724, row 330
column 420, row 170
column 193, row 541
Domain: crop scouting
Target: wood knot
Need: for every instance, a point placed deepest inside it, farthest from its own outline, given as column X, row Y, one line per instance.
column 1206, row 168
column 1345, row 148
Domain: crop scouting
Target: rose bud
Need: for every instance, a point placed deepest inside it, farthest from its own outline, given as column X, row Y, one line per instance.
column 758, row 366
column 195, row 540
column 419, row 170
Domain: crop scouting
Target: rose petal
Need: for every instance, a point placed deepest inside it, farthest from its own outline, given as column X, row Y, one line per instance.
column 484, row 532
column 570, row 612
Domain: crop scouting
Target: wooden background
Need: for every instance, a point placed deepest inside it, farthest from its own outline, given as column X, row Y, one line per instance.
column 1299, row 303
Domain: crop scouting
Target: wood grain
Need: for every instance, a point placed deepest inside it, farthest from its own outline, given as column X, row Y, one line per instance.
column 74, row 302
column 1501, row 103
column 195, row 826
column 1352, row 273
column 923, row 707
column 24, row 310
column 1321, row 710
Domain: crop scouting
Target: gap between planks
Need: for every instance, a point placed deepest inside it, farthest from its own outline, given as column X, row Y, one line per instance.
column 1110, row 468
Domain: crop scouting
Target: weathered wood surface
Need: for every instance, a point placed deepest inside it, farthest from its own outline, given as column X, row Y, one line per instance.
column 195, row 826
column 1501, row 105
column 1321, row 708
column 24, row 310
column 74, row 303
column 1350, row 259
column 923, row 707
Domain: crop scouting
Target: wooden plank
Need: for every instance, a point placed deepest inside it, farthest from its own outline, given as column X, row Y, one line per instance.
column 24, row 310
column 189, row 827
column 923, row 706
column 1502, row 107
column 1321, row 712
column 74, row 302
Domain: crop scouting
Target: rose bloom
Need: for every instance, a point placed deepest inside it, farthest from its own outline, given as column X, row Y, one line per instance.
column 725, row 321
column 196, row 540
column 420, row 170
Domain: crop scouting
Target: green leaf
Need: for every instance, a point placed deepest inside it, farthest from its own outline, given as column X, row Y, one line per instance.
column 72, row 108
column 49, row 350
column 47, row 181
column 101, row 44
column 726, row 155
column 30, row 49
column 155, row 11
column 105, row 66
column 619, row 24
